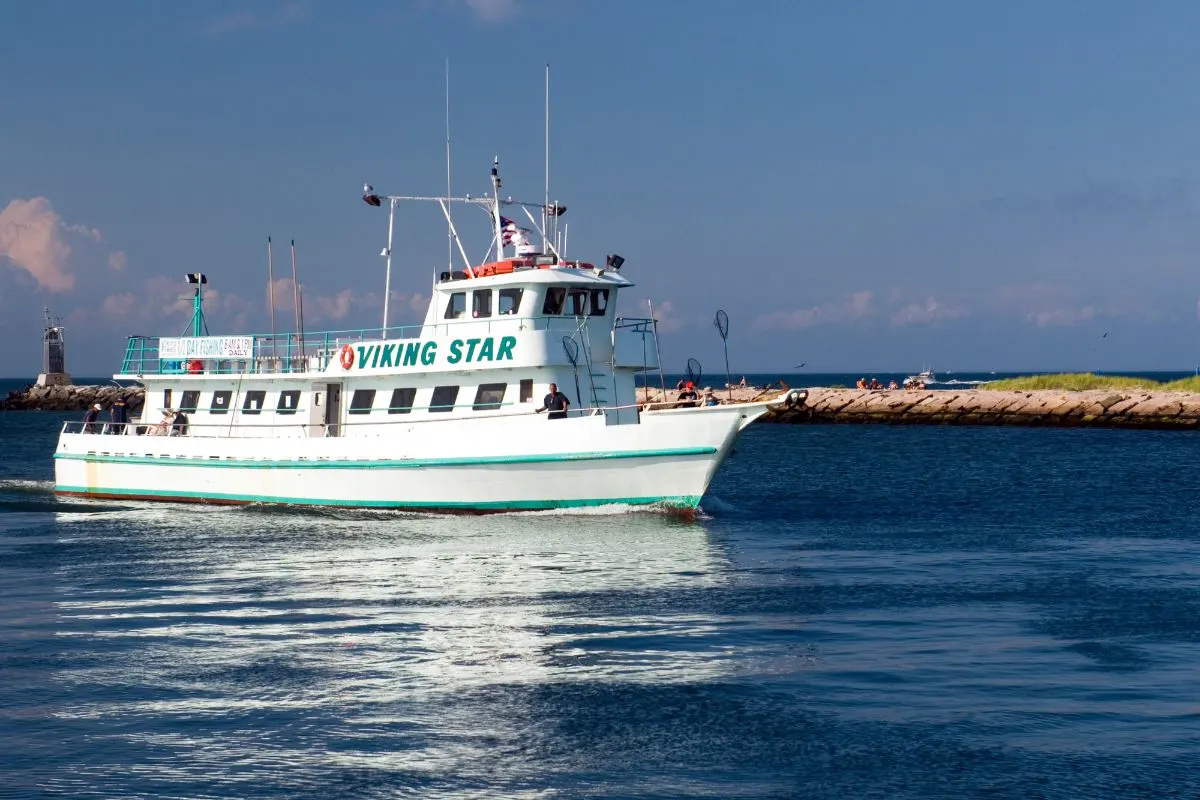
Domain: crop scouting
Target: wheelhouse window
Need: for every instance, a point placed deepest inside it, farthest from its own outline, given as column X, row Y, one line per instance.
column 253, row 403
column 362, row 401
column 510, row 301
column 402, row 400
column 527, row 390
column 190, row 402
column 599, row 302
column 578, row 302
column 443, row 398
column 555, row 297
column 481, row 303
column 489, row 396
column 289, row 401
column 456, row 306
column 220, row 402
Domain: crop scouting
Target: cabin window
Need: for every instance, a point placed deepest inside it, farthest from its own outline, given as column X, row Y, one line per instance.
column 190, row 402
column 289, row 401
column 457, row 305
column 578, row 305
column 555, row 297
column 526, row 390
column 489, row 396
column 443, row 398
column 599, row 302
column 362, row 401
column 220, row 402
column 166, row 398
column 253, row 404
column 402, row 400
column 510, row 301
column 481, row 303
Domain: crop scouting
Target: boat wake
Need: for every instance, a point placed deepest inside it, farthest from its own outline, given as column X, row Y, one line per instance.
column 17, row 486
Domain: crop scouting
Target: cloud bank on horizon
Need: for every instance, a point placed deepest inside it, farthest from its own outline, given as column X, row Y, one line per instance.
column 904, row 188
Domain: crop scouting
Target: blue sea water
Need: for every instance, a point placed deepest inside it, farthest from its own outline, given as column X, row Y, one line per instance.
column 860, row 612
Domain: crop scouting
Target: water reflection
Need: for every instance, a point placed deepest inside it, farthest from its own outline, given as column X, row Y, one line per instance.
column 403, row 638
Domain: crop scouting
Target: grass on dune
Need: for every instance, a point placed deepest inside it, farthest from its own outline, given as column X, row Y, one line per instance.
column 1082, row 381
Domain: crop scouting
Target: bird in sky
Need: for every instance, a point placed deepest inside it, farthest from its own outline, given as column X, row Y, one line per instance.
column 801, row 364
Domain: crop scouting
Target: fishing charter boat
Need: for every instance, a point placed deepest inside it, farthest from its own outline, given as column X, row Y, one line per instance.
column 440, row 416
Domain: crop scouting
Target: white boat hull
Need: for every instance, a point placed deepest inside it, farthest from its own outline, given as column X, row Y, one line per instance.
column 668, row 457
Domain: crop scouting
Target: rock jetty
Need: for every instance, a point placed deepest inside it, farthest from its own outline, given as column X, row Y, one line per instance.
column 1100, row 408
column 70, row 398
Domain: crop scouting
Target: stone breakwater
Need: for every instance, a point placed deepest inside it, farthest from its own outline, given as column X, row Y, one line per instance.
column 1099, row 408
column 70, row 398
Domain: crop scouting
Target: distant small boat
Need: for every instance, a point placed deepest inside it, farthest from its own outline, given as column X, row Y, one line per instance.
column 924, row 377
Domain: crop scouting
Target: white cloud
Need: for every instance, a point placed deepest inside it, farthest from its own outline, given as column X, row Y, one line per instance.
column 31, row 237
column 669, row 320
column 117, row 260
column 252, row 19
column 931, row 310
column 1061, row 317
column 857, row 306
column 494, row 10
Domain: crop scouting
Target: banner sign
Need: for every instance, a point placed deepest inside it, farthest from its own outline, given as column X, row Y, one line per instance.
column 206, row 347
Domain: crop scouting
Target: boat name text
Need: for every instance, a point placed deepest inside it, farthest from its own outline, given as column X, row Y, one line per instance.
column 410, row 354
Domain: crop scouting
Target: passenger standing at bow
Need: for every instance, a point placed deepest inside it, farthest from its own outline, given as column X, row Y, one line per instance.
column 555, row 402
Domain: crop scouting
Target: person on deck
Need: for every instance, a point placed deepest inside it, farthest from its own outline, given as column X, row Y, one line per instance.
column 555, row 402
column 710, row 399
column 90, row 417
column 179, row 424
column 118, row 416
column 688, row 396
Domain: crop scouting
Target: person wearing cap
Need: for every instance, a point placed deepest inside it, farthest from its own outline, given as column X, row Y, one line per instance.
column 89, row 418
column 118, row 416
column 688, row 396
column 710, row 399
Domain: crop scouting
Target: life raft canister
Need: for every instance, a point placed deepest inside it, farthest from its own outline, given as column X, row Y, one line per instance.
column 346, row 356
column 195, row 366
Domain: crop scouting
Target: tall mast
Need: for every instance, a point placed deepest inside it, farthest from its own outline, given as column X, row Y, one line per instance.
column 496, row 208
column 271, row 292
column 295, row 291
column 546, row 204
column 449, row 191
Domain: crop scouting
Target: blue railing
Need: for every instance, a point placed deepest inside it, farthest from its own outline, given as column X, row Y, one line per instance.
column 272, row 354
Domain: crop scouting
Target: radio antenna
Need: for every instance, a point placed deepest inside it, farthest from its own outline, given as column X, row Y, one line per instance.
column 449, row 192
column 546, row 203
column 296, row 295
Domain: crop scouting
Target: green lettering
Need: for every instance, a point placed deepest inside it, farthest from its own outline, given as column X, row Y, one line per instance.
column 363, row 352
column 386, row 358
column 375, row 353
column 428, row 353
column 485, row 349
column 507, row 343
column 471, row 345
column 410, row 353
column 455, row 354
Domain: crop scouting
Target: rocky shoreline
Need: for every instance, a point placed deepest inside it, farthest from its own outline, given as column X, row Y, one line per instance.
column 70, row 398
column 1100, row 408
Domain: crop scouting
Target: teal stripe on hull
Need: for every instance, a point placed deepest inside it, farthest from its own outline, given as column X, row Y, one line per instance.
column 465, row 461
column 684, row 501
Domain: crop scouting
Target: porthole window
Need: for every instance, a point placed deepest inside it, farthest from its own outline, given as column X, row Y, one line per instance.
column 402, row 401
column 220, row 402
column 253, row 403
column 443, row 398
column 289, row 401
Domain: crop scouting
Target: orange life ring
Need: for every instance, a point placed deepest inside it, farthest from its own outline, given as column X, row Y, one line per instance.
column 195, row 366
column 346, row 356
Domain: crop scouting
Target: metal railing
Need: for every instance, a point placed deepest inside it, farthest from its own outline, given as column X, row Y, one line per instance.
column 281, row 353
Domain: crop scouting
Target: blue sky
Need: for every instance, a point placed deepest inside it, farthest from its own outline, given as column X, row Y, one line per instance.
column 861, row 186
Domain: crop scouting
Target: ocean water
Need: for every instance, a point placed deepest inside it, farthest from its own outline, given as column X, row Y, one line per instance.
column 860, row 612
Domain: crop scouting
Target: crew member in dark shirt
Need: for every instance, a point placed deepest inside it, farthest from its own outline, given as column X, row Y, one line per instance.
column 119, row 415
column 555, row 402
